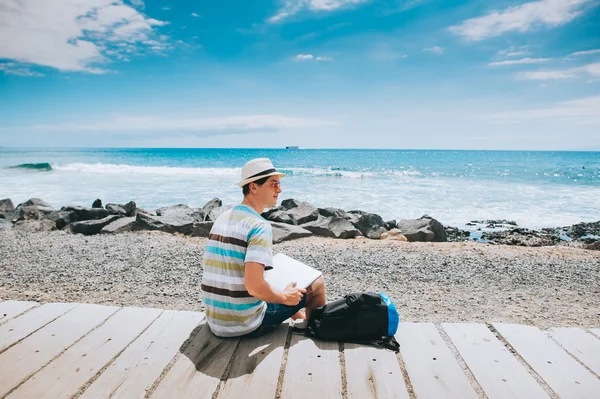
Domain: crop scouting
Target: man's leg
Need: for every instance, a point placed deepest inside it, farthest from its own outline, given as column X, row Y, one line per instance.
column 315, row 296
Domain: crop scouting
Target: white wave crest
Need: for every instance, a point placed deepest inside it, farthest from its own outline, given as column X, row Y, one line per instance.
column 101, row 168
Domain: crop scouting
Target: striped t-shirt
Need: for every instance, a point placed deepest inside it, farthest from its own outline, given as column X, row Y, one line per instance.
column 238, row 236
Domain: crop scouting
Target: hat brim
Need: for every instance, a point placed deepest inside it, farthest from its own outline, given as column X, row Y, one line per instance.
column 255, row 178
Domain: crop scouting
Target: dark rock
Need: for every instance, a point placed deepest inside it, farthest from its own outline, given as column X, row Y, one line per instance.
column 595, row 246
column 369, row 224
column 579, row 230
column 35, row 202
column 6, row 205
column 91, row 227
column 202, row 229
column 391, row 224
column 214, row 214
column 494, row 222
column 454, row 234
column 117, row 209
column 424, row 229
column 35, row 226
column 61, row 218
column 301, row 212
column 335, row 227
column 211, row 206
column 120, row 225
column 181, row 213
column 130, row 208
column 285, row 232
column 97, row 203
column 172, row 224
column 84, row 213
column 282, row 217
column 521, row 237
column 329, row 212
column 290, row 203
column 270, row 211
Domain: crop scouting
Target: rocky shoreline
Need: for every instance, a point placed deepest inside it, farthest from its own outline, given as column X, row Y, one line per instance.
column 291, row 220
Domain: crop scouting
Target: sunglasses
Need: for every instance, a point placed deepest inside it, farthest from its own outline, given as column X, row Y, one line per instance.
column 274, row 185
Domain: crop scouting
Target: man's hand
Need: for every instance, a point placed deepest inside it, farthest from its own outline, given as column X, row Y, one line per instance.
column 292, row 294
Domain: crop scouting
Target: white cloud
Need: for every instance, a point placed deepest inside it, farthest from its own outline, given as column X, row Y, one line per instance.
column 166, row 8
column 434, row 49
column 513, row 51
column 11, row 68
column 151, row 124
column 521, row 18
column 521, row 61
column 291, row 7
column 304, row 57
column 324, row 59
column 138, row 4
column 591, row 70
column 588, row 52
column 195, row 15
column 72, row 35
column 581, row 110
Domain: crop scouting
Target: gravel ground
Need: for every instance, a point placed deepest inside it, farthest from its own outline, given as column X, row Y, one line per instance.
column 435, row 282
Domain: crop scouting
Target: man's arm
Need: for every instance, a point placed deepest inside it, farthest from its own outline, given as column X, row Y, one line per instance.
column 256, row 286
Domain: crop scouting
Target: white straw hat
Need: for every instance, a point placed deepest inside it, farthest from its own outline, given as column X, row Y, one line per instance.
column 256, row 169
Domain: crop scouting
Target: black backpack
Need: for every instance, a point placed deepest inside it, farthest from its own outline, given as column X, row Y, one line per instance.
column 362, row 318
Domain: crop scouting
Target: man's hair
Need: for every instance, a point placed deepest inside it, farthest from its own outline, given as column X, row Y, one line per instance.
column 260, row 182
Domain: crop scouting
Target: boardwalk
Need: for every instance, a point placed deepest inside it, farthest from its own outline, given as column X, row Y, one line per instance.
column 70, row 350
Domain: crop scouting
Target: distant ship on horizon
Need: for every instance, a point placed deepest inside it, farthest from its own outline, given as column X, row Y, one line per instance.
column 292, row 147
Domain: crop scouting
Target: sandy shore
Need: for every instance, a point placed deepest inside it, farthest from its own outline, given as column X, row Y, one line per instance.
column 435, row 282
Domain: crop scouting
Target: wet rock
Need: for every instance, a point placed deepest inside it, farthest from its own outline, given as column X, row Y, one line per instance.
column 97, row 203
column 454, row 234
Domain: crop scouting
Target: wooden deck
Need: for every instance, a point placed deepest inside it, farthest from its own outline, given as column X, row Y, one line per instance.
column 70, row 350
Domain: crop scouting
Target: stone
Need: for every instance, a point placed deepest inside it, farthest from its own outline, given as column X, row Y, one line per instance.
column 595, row 246
column 35, row 202
column 424, row 229
column 329, row 212
column 116, row 208
column 180, row 213
column 6, row 205
column 214, row 214
column 97, row 203
column 335, row 227
column 35, row 226
column 272, row 210
column 211, row 206
column 302, row 212
column 5, row 224
column 391, row 224
column 454, row 234
column 84, row 213
column 282, row 217
column 91, row 227
column 61, row 218
column 290, row 203
column 202, row 229
column 284, row 232
column 182, row 225
column 120, row 225
column 369, row 224
column 130, row 208
column 393, row 234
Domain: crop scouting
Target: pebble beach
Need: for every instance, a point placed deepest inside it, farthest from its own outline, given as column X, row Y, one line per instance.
column 430, row 282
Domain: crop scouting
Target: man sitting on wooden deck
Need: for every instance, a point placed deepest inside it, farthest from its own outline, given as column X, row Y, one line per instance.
column 238, row 300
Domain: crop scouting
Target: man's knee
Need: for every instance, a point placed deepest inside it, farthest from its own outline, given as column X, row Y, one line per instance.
column 318, row 285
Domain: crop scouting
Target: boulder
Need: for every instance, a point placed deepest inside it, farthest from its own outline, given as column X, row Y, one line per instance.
column 6, row 205
column 369, row 224
column 120, row 225
column 130, row 208
column 391, row 224
column 182, row 225
column 116, row 208
column 61, row 218
column 211, row 206
column 5, row 224
column 282, row 217
column 335, row 227
column 454, row 234
column 91, row 227
column 329, row 212
column 35, row 226
column 270, row 211
column 97, row 203
column 36, row 202
column 393, row 234
column 181, row 213
column 424, row 229
column 285, row 232
column 595, row 246
column 84, row 213
column 521, row 237
column 202, row 229
column 302, row 212
column 215, row 213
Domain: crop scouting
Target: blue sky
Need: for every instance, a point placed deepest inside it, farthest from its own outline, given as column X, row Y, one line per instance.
column 314, row 73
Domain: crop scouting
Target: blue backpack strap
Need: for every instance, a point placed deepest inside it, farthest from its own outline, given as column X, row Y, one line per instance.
column 393, row 316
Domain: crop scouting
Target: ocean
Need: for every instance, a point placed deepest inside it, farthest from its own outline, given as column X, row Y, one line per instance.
column 533, row 188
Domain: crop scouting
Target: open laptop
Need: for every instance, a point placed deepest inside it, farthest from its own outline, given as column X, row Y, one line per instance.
column 286, row 270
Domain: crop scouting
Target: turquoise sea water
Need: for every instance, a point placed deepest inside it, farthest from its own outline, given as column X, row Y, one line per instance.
column 536, row 189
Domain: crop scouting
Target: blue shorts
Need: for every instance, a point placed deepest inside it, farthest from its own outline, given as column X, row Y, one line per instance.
column 275, row 315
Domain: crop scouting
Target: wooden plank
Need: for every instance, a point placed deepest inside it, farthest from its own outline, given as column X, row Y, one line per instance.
column 198, row 370
column 312, row 369
column 595, row 331
column 136, row 369
column 580, row 344
column 498, row 372
column 373, row 373
column 16, row 329
column 64, row 376
column 255, row 371
column 560, row 371
column 432, row 368
column 10, row 309
column 31, row 354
